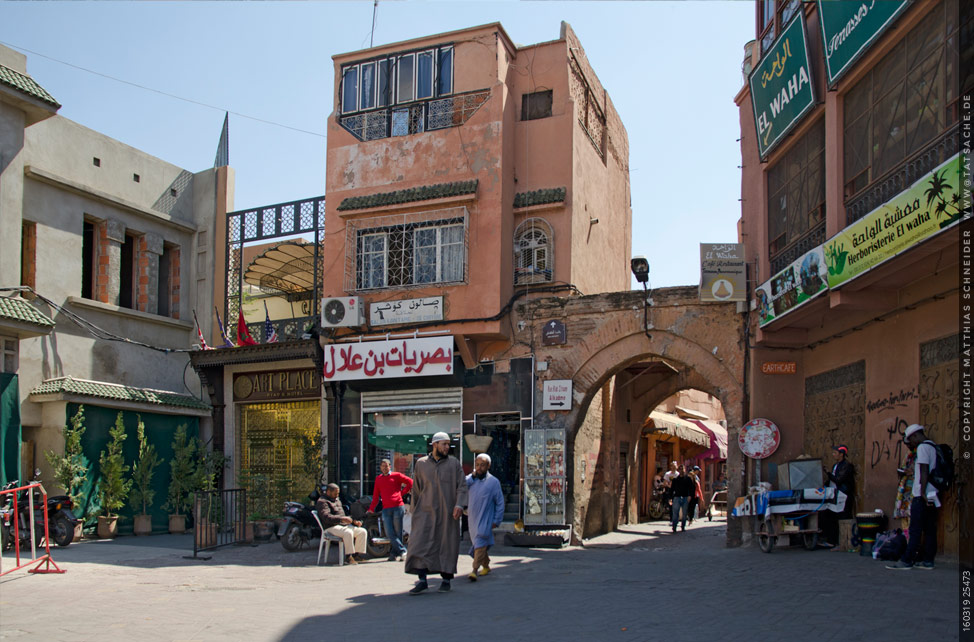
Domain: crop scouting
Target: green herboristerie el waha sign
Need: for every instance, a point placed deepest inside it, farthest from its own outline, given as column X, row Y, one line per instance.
column 781, row 86
column 849, row 27
column 929, row 206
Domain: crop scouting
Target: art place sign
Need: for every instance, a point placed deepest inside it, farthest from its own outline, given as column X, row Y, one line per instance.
column 426, row 356
column 781, row 86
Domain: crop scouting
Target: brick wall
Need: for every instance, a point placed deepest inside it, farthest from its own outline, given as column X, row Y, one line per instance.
column 28, row 254
column 143, row 280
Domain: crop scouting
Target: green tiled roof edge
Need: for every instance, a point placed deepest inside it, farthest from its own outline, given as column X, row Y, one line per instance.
column 540, row 197
column 117, row 392
column 18, row 309
column 424, row 193
column 25, row 84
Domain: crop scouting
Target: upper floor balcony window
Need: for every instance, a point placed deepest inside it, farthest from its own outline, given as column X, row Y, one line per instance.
column 773, row 16
column 406, row 250
column 402, row 94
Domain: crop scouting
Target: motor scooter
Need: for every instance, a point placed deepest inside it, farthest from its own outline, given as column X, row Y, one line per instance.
column 300, row 526
column 60, row 514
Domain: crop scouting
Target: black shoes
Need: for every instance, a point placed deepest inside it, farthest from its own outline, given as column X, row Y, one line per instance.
column 419, row 588
column 444, row 587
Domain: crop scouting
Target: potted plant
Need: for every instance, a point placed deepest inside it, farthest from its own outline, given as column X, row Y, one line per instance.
column 211, row 517
column 259, row 526
column 114, row 487
column 142, row 492
column 71, row 467
column 182, row 481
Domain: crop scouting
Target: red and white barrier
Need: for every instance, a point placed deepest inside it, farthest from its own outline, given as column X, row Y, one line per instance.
column 44, row 559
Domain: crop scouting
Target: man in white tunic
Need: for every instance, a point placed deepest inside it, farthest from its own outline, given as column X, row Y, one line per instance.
column 438, row 498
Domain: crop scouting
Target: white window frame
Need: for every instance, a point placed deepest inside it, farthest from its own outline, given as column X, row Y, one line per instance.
column 439, row 258
column 9, row 346
column 536, row 276
column 366, row 256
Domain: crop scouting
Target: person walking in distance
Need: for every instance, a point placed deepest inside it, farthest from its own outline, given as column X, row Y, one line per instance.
column 683, row 488
column 924, row 505
column 390, row 487
column 438, row 499
column 484, row 513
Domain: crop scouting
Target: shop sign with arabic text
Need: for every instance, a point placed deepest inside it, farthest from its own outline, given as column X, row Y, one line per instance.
column 928, row 207
column 425, row 356
column 850, row 26
column 406, row 311
column 781, row 86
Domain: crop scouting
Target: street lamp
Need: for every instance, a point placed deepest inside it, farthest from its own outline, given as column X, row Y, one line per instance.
column 640, row 269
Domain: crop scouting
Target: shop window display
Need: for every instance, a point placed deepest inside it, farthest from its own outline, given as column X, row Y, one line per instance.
column 544, row 472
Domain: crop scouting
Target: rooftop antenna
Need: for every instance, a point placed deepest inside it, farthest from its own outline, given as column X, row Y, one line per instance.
column 375, row 7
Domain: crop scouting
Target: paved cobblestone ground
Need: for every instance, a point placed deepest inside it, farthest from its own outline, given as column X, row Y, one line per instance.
column 643, row 583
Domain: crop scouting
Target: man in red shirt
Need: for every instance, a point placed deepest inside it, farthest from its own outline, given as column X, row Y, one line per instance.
column 391, row 487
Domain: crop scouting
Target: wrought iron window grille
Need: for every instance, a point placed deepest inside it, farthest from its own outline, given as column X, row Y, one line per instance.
column 533, row 252
column 406, row 250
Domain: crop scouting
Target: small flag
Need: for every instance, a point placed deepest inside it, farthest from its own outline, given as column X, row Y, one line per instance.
column 227, row 343
column 199, row 333
column 243, row 334
column 270, row 334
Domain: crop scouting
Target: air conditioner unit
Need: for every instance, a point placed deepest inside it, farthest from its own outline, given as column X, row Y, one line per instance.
column 342, row 312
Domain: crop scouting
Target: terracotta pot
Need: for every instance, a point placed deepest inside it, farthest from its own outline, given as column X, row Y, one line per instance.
column 177, row 524
column 143, row 525
column 107, row 527
column 243, row 531
column 205, row 534
column 264, row 529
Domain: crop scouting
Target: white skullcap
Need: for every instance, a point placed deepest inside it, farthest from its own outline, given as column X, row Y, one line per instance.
column 483, row 456
column 912, row 428
column 440, row 436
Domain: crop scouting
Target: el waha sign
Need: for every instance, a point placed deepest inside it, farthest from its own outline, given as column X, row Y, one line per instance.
column 781, row 86
column 849, row 27
column 928, row 207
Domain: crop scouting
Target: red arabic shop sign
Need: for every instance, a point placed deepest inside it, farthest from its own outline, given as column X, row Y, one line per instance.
column 424, row 356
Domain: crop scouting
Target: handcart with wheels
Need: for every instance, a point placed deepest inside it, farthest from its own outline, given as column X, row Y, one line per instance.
column 790, row 513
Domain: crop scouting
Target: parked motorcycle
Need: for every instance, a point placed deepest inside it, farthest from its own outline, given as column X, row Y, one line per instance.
column 60, row 516
column 300, row 527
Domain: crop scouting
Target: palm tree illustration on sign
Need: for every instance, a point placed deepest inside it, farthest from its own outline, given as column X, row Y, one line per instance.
column 938, row 185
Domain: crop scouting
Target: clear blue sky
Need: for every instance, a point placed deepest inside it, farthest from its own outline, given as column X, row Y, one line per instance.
column 671, row 69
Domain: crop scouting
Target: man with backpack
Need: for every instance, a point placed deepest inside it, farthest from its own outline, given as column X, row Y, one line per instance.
column 924, row 505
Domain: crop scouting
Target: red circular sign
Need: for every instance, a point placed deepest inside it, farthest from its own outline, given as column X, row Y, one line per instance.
column 759, row 438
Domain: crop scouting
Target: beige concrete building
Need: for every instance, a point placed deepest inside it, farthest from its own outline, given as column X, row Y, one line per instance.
column 114, row 247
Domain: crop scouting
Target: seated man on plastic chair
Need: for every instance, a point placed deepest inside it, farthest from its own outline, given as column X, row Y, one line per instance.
column 336, row 522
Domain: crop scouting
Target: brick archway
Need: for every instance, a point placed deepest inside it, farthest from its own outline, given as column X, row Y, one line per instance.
column 701, row 345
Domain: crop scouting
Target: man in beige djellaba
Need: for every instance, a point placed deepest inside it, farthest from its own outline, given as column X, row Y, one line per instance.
column 439, row 496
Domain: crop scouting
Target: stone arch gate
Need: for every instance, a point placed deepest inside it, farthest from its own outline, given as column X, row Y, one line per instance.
column 620, row 371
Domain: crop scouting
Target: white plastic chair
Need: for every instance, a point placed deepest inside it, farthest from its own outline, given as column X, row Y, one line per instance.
column 326, row 541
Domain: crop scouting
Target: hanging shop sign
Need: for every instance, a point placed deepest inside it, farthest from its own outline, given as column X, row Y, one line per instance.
column 928, row 207
column 554, row 333
column 759, row 438
column 557, row 394
column 849, row 27
column 722, row 275
column 276, row 385
column 406, row 311
column 781, row 86
column 425, row 356
column 799, row 282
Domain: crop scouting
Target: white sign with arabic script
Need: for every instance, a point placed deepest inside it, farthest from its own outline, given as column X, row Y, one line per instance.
column 420, row 357
column 406, row 311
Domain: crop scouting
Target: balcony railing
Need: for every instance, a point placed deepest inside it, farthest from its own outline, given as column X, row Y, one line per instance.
column 812, row 238
column 415, row 118
column 900, row 178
